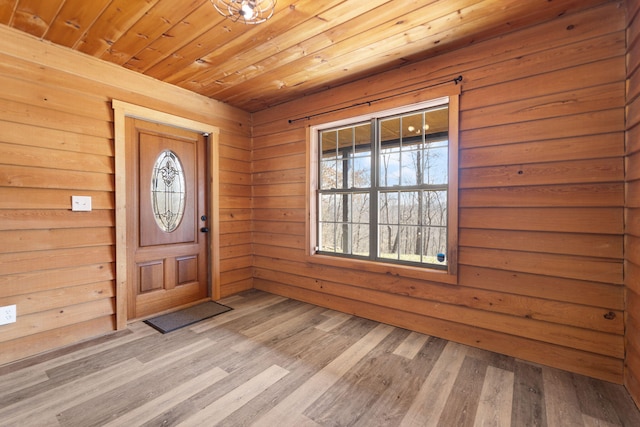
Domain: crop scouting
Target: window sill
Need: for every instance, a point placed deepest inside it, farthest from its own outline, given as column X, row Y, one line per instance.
column 396, row 270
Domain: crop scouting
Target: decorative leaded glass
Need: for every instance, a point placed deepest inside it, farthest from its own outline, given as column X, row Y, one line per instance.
column 168, row 191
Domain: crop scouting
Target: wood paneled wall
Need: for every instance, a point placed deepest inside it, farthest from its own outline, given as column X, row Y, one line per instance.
column 632, row 213
column 56, row 140
column 541, row 197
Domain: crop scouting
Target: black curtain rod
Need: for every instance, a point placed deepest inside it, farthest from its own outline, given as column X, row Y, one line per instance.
column 455, row 80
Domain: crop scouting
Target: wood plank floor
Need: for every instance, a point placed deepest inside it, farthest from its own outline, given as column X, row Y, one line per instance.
column 273, row 361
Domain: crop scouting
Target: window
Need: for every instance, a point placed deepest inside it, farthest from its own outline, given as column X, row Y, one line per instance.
column 168, row 191
column 386, row 185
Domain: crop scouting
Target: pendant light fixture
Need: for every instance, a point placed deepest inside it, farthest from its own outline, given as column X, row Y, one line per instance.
column 245, row 11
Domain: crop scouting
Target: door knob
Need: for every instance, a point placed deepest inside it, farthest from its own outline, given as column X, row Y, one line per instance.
column 204, row 229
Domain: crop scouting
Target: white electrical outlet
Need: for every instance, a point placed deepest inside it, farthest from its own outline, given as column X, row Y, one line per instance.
column 7, row 314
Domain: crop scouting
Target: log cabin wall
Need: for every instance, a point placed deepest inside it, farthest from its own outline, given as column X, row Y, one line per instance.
column 541, row 198
column 632, row 238
column 57, row 140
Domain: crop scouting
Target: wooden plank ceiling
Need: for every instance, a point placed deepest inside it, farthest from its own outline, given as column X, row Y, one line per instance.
column 306, row 47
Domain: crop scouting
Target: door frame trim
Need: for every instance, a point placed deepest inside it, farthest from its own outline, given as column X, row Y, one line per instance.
column 122, row 110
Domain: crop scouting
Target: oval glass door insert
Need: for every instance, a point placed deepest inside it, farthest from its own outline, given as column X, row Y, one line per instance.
column 168, row 191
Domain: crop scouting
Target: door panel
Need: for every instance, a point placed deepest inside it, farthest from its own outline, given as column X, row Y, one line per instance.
column 167, row 254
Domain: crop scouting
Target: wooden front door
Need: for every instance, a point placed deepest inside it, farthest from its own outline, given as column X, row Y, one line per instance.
column 166, row 218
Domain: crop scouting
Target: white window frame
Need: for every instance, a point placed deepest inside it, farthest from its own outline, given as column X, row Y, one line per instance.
column 449, row 275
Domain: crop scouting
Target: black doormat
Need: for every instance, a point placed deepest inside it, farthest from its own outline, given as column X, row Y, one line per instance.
column 181, row 318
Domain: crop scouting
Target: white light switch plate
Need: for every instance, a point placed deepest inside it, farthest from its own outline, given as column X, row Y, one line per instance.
column 7, row 314
column 81, row 203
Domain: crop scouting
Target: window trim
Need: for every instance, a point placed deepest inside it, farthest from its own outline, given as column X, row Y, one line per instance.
column 448, row 275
